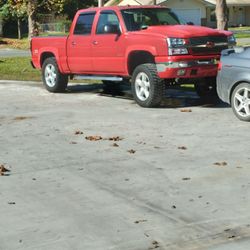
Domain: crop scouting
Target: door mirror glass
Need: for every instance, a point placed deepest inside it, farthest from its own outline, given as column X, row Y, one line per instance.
column 111, row 29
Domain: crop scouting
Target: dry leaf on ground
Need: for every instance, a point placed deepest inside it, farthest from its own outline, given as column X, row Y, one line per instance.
column 3, row 169
column 93, row 138
column 221, row 164
column 78, row 132
column 186, row 110
column 182, row 147
column 131, row 151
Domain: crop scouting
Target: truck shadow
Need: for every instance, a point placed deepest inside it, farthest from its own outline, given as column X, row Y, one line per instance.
column 175, row 97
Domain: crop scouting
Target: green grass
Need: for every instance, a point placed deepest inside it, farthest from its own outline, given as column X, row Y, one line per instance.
column 242, row 35
column 18, row 68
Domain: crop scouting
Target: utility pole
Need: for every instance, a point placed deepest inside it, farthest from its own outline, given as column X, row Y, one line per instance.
column 154, row 2
column 100, row 3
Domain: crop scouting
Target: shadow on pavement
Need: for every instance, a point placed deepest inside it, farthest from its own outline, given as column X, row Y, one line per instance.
column 176, row 97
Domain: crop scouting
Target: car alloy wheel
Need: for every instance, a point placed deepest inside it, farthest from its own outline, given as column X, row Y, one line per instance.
column 142, row 86
column 241, row 101
column 50, row 75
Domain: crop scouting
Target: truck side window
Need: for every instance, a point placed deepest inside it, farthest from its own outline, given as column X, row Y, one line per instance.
column 84, row 24
column 106, row 18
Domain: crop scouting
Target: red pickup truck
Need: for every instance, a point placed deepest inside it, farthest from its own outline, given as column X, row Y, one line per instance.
column 145, row 44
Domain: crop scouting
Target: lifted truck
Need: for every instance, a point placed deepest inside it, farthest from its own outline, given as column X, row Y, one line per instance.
column 144, row 44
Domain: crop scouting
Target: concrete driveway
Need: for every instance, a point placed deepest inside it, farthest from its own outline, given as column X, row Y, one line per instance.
column 8, row 52
column 143, row 179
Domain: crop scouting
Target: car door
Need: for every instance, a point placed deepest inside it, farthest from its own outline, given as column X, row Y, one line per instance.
column 79, row 45
column 108, row 47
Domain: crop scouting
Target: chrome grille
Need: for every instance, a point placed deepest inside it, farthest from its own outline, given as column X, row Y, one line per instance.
column 208, row 45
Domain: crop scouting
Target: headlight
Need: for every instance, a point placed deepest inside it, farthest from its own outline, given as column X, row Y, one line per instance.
column 177, row 46
column 231, row 41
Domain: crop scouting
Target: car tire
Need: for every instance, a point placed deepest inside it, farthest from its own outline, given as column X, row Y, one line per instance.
column 240, row 101
column 53, row 79
column 147, row 88
column 206, row 87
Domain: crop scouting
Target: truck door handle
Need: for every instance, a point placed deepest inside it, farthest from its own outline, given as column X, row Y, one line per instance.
column 95, row 42
column 73, row 43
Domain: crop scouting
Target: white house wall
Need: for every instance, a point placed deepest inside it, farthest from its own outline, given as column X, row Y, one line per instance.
column 186, row 4
column 128, row 2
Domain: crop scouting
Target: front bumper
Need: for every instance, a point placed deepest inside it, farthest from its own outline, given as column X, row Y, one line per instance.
column 187, row 67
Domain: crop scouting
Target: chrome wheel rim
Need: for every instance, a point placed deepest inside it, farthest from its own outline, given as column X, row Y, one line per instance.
column 50, row 75
column 242, row 102
column 142, row 86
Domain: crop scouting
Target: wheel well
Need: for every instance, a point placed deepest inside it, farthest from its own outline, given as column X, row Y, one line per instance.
column 138, row 57
column 233, row 88
column 44, row 56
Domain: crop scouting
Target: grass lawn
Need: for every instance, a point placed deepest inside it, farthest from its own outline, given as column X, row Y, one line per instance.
column 18, row 68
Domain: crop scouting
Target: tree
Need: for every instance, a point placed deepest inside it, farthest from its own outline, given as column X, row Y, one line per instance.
column 221, row 14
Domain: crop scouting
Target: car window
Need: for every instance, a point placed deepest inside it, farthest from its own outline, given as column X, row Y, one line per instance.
column 84, row 24
column 106, row 17
column 141, row 18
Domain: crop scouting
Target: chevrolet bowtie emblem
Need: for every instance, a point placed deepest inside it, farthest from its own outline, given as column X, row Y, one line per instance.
column 210, row 45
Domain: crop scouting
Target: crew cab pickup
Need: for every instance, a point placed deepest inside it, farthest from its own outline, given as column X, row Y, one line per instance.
column 144, row 45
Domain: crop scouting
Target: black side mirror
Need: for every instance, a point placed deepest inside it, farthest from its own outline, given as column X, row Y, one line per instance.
column 190, row 23
column 111, row 29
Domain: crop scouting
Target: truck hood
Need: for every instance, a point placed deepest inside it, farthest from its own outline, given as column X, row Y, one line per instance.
column 184, row 31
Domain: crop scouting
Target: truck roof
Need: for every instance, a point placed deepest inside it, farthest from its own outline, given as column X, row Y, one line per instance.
column 124, row 7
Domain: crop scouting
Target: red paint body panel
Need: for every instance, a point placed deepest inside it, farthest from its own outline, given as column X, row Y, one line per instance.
column 107, row 54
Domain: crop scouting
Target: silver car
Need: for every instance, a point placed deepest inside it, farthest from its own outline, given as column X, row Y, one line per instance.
column 233, row 80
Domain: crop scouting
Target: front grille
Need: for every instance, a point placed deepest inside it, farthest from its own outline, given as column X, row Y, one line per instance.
column 199, row 45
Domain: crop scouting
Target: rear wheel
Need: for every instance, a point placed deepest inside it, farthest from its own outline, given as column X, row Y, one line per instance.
column 53, row 79
column 240, row 101
column 206, row 87
column 147, row 88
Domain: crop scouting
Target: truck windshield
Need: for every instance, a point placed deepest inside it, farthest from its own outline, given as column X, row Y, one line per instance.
column 141, row 18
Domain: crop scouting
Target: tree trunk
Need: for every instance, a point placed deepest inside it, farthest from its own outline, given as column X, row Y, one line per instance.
column 32, row 20
column 19, row 28
column 221, row 14
column 1, row 27
column 100, row 3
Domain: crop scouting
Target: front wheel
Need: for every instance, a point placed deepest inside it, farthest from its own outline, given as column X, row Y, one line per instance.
column 53, row 79
column 240, row 101
column 206, row 87
column 147, row 88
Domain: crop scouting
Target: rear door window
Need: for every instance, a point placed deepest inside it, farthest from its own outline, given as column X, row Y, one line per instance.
column 84, row 24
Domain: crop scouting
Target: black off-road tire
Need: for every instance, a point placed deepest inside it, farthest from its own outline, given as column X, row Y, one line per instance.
column 53, row 80
column 153, row 93
column 206, row 87
column 244, row 102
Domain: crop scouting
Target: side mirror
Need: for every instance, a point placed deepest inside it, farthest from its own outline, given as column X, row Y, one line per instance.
column 190, row 23
column 111, row 29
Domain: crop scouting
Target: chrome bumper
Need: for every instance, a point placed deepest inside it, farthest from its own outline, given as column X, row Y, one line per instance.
column 161, row 67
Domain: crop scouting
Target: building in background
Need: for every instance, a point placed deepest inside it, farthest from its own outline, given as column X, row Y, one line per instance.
column 199, row 12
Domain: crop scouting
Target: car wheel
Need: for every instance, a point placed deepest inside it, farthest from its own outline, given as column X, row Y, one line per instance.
column 206, row 87
column 147, row 88
column 240, row 101
column 53, row 79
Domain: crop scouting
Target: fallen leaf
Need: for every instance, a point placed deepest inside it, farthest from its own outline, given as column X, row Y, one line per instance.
column 73, row 142
column 93, row 138
column 182, row 147
column 3, row 170
column 221, row 164
column 186, row 179
column 174, row 207
column 115, row 138
column 131, row 151
column 20, row 118
column 115, row 145
column 186, row 110
column 140, row 221
column 78, row 132
column 12, row 203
